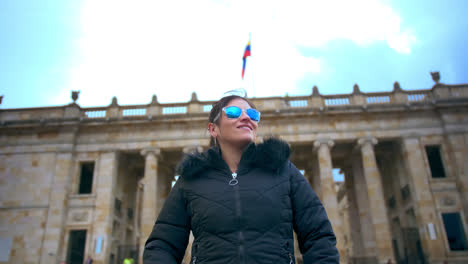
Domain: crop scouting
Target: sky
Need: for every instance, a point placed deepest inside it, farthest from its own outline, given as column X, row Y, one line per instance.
column 134, row 49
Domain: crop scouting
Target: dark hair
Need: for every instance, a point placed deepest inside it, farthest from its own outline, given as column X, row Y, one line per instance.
column 218, row 106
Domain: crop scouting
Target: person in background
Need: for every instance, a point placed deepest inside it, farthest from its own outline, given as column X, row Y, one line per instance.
column 128, row 260
column 241, row 200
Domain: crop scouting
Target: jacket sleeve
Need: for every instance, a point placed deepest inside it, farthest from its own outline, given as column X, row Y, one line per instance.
column 317, row 242
column 169, row 238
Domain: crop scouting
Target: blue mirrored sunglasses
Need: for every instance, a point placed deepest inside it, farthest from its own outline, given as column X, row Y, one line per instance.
column 233, row 112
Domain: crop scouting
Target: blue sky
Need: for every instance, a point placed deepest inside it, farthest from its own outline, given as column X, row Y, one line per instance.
column 134, row 49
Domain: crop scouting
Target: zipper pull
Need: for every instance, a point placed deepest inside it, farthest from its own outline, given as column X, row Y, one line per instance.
column 233, row 181
column 290, row 258
column 194, row 259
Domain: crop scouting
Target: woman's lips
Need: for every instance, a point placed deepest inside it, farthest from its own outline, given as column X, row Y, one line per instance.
column 245, row 126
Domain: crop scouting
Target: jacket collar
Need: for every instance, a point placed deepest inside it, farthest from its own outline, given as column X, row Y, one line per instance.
column 270, row 155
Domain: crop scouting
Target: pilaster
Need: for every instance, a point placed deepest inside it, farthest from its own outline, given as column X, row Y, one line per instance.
column 54, row 229
column 104, row 212
column 459, row 149
column 464, row 178
column 377, row 204
column 421, row 193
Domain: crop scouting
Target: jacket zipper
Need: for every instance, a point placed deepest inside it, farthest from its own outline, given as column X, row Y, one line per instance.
column 234, row 183
column 234, row 180
column 194, row 259
column 238, row 214
column 290, row 258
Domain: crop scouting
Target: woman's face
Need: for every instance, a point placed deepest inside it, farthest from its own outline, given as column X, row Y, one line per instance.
column 239, row 131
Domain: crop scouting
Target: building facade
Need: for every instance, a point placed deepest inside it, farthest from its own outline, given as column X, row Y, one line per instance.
column 89, row 182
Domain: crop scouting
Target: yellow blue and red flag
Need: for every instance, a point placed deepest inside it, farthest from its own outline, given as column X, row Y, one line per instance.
column 244, row 58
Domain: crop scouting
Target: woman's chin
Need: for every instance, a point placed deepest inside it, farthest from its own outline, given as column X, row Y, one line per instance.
column 246, row 141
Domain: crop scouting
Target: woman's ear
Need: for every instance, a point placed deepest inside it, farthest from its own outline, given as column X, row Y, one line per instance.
column 213, row 129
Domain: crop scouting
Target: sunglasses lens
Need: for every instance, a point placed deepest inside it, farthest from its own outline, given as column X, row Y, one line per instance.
column 233, row 112
column 253, row 114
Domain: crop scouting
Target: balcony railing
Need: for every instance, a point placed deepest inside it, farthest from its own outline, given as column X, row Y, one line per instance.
column 440, row 92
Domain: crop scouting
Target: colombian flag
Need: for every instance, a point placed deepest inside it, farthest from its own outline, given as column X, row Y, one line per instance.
column 244, row 58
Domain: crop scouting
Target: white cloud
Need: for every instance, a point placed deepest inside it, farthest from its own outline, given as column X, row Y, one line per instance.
column 132, row 49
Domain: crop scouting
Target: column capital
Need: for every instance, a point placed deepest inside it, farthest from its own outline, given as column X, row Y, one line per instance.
column 154, row 151
column 364, row 140
column 323, row 141
column 192, row 149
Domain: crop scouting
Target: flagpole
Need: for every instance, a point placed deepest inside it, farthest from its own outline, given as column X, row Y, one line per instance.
column 252, row 71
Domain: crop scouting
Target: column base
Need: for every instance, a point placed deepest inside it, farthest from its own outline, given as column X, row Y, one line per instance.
column 363, row 260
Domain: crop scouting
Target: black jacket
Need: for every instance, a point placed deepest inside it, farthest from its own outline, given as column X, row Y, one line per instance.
column 250, row 222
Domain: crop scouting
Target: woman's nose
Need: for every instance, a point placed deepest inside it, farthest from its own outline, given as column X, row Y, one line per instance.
column 244, row 116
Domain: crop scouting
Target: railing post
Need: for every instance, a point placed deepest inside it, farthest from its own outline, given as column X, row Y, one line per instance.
column 357, row 98
column 440, row 91
column 72, row 111
column 113, row 109
column 316, row 99
column 194, row 105
column 154, row 109
column 398, row 96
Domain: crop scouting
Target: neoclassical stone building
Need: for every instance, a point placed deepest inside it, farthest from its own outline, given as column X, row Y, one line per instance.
column 78, row 182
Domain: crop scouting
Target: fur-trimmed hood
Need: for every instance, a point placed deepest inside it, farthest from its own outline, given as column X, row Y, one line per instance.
column 271, row 155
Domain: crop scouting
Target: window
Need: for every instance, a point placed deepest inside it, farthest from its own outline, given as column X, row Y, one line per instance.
column 435, row 161
column 86, row 178
column 115, row 228
column 130, row 213
column 118, row 207
column 455, row 231
column 392, row 202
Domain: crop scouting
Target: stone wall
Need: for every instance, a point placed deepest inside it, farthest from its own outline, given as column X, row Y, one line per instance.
column 377, row 139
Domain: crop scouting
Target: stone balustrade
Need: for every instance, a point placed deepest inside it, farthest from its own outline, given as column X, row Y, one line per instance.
column 357, row 100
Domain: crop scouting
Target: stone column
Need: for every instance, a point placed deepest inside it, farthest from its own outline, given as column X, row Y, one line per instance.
column 353, row 212
column 104, row 213
column 315, row 176
column 54, row 230
column 377, row 204
column 421, row 194
column 328, row 192
column 149, row 206
column 367, row 249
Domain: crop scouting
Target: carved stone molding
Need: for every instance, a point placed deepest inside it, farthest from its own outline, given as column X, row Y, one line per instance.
column 364, row 140
column 397, row 87
column 319, row 142
column 356, row 89
column 151, row 151
column 315, row 91
column 192, row 149
column 81, row 216
column 448, row 201
column 114, row 102
column 75, row 95
column 194, row 97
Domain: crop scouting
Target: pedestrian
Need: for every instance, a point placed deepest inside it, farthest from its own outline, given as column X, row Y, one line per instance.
column 128, row 260
column 89, row 260
column 241, row 200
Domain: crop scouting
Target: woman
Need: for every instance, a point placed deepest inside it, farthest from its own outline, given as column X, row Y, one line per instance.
column 241, row 201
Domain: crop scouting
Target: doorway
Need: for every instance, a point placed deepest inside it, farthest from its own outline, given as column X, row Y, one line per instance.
column 76, row 246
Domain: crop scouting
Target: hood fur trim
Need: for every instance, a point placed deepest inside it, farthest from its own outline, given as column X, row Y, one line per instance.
column 271, row 155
